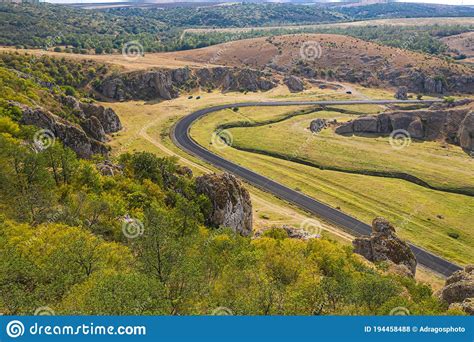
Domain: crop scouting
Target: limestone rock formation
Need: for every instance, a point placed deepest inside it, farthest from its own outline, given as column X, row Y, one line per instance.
column 108, row 119
column 402, row 93
column 384, row 245
column 453, row 125
column 165, row 84
column 69, row 134
column 231, row 205
column 294, row 84
column 292, row 232
column 459, row 289
column 465, row 133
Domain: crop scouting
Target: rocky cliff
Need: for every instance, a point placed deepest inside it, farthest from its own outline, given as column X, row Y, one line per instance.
column 86, row 137
column 165, row 84
column 454, row 125
column 231, row 205
column 384, row 245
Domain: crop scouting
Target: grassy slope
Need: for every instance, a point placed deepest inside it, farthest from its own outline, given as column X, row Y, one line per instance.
column 424, row 216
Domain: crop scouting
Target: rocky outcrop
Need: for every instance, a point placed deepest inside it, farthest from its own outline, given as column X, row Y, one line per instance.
column 69, row 134
column 293, row 233
column 384, row 245
column 231, row 205
column 101, row 118
column 294, row 84
column 459, row 290
column 165, row 84
column 465, row 134
column 453, row 125
column 402, row 93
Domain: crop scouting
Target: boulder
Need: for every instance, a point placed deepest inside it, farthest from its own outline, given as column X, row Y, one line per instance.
column 384, row 245
column 317, row 125
column 231, row 204
column 402, row 93
column 294, row 84
column 459, row 289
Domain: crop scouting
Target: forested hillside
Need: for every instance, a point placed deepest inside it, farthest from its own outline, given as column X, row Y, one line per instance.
column 105, row 31
column 128, row 235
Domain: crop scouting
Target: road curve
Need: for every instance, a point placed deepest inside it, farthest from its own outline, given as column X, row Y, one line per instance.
column 182, row 139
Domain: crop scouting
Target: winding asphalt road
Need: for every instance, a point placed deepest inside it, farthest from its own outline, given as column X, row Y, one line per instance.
column 182, row 139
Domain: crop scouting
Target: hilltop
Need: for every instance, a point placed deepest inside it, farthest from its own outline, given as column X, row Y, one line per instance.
column 338, row 57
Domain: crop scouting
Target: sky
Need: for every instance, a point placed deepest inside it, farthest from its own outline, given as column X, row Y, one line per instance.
column 448, row 2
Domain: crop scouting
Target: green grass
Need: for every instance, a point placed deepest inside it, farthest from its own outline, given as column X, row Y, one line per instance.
column 423, row 216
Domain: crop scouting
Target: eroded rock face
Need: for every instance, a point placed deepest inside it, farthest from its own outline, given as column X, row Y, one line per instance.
column 459, row 289
column 294, row 84
column 453, row 125
column 165, row 84
column 108, row 119
column 69, row 134
column 231, row 204
column 465, row 133
column 384, row 245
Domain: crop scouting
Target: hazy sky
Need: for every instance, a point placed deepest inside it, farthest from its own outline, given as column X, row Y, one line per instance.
column 449, row 2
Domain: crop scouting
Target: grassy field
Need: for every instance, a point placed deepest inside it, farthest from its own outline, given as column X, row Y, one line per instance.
column 435, row 220
column 442, row 166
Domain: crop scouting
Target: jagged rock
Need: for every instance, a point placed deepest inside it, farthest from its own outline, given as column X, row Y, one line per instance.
column 292, row 232
column 433, row 86
column 165, row 84
column 294, row 84
column 402, row 93
column 317, row 125
column 459, row 289
column 465, row 134
column 108, row 119
column 231, row 205
column 453, row 125
column 384, row 245
column 71, row 135
column 93, row 128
